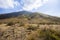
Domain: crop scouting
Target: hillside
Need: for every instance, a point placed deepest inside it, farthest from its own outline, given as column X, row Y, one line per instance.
column 29, row 17
column 25, row 25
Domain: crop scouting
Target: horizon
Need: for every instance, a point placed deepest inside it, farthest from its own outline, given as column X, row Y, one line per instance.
column 49, row 7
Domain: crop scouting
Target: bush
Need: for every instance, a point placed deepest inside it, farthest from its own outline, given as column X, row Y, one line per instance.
column 10, row 24
column 49, row 34
column 32, row 28
column 21, row 24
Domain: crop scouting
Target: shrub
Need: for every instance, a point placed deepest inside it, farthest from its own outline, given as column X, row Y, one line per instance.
column 32, row 28
column 10, row 24
column 49, row 34
column 21, row 24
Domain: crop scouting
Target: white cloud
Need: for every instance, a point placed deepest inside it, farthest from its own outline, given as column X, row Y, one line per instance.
column 23, row 4
column 53, row 13
column 44, row 1
column 32, row 4
column 6, row 4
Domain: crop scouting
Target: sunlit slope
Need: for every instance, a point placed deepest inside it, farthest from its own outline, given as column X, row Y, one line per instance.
column 29, row 17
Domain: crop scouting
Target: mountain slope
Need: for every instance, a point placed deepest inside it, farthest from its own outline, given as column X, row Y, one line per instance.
column 29, row 17
column 23, row 25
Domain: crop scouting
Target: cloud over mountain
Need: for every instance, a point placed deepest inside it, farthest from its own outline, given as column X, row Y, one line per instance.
column 32, row 4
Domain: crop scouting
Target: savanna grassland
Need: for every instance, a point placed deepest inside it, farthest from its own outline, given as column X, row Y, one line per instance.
column 30, row 27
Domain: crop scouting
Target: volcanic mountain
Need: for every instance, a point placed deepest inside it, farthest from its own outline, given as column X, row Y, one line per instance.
column 26, row 25
column 29, row 17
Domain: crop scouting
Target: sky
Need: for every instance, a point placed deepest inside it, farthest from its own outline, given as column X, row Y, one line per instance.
column 50, row 7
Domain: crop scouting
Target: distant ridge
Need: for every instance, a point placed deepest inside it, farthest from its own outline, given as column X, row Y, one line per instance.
column 32, row 15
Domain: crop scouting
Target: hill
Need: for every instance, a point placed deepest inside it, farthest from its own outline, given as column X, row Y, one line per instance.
column 25, row 25
column 29, row 17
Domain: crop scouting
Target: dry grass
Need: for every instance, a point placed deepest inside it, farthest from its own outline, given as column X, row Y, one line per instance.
column 30, row 32
column 26, row 28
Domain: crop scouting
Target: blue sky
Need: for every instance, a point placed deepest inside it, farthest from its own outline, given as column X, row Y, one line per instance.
column 50, row 7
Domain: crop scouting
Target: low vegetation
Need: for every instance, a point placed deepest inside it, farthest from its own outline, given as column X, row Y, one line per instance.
column 30, row 27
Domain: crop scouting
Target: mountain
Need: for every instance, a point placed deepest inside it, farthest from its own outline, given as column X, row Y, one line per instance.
column 23, row 25
column 13, row 14
column 32, row 17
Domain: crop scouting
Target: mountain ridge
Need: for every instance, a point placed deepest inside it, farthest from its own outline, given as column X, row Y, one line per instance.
column 31, row 16
column 26, row 12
